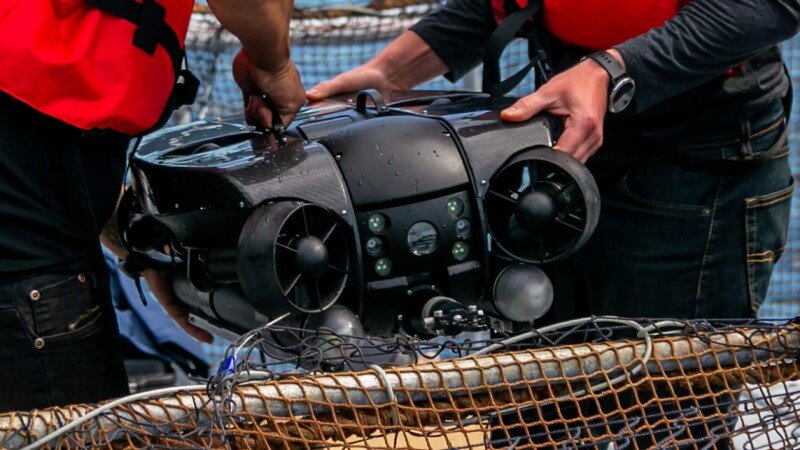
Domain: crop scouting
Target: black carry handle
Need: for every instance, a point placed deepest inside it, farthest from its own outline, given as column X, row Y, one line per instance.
column 502, row 36
column 375, row 96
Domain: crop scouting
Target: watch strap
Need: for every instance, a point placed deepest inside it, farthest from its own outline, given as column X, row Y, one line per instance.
column 607, row 62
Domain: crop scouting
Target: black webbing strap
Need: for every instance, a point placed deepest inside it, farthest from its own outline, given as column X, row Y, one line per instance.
column 502, row 36
column 151, row 28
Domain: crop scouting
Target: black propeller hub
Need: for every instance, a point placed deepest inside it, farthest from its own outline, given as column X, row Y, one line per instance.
column 536, row 208
column 312, row 256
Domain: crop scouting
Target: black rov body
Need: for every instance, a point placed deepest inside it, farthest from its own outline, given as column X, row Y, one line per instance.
column 428, row 215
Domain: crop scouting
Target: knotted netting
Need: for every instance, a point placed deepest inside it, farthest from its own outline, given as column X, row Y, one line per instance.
column 597, row 383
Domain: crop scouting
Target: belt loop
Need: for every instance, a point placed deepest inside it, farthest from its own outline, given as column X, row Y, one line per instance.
column 746, row 148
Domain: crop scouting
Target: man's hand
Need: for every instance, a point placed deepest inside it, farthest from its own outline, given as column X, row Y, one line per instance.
column 364, row 77
column 580, row 95
column 263, row 66
column 282, row 90
column 403, row 64
column 161, row 286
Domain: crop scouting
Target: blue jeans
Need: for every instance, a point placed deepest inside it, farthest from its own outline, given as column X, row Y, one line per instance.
column 683, row 235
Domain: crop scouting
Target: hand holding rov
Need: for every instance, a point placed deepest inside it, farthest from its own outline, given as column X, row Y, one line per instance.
column 282, row 92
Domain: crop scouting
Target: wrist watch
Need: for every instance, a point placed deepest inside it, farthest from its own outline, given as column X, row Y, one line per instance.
column 621, row 88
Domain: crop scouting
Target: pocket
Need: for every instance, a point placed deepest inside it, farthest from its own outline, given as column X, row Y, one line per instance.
column 661, row 187
column 61, row 308
column 83, row 327
column 767, row 226
column 80, row 353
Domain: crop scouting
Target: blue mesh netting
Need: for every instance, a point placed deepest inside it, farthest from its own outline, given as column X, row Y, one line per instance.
column 784, row 293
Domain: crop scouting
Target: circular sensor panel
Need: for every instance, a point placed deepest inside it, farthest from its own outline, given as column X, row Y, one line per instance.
column 422, row 238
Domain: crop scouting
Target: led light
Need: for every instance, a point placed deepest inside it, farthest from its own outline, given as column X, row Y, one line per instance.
column 463, row 229
column 377, row 223
column 383, row 267
column 374, row 246
column 455, row 207
column 460, row 250
column 422, row 238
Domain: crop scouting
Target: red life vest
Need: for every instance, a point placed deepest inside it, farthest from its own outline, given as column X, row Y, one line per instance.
column 94, row 64
column 598, row 24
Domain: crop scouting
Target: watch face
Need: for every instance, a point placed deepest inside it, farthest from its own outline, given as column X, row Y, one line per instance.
column 622, row 95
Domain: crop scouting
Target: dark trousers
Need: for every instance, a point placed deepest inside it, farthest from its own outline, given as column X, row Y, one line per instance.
column 59, row 342
column 684, row 236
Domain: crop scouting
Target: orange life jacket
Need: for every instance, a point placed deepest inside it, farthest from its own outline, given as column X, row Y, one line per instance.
column 94, row 64
column 597, row 24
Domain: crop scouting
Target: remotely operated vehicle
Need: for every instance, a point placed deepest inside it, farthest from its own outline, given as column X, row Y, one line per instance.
column 425, row 215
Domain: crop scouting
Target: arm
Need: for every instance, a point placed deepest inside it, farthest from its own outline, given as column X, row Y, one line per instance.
column 450, row 40
column 704, row 40
column 458, row 34
column 261, row 25
column 403, row 64
column 264, row 65
column 700, row 43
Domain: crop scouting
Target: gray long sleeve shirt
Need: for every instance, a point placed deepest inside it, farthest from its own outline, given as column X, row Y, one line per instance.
column 678, row 68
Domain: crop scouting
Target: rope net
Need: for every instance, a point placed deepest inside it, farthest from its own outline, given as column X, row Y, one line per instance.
column 598, row 383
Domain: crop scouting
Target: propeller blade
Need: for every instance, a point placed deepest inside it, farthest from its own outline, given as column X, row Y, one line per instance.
column 286, row 247
column 571, row 221
column 305, row 220
column 533, row 171
column 292, row 285
column 318, row 295
column 328, row 233
column 506, row 197
column 336, row 269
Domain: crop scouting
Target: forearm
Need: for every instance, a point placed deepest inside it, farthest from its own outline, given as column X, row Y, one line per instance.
column 261, row 25
column 704, row 40
column 408, row 62
column 458, row 33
